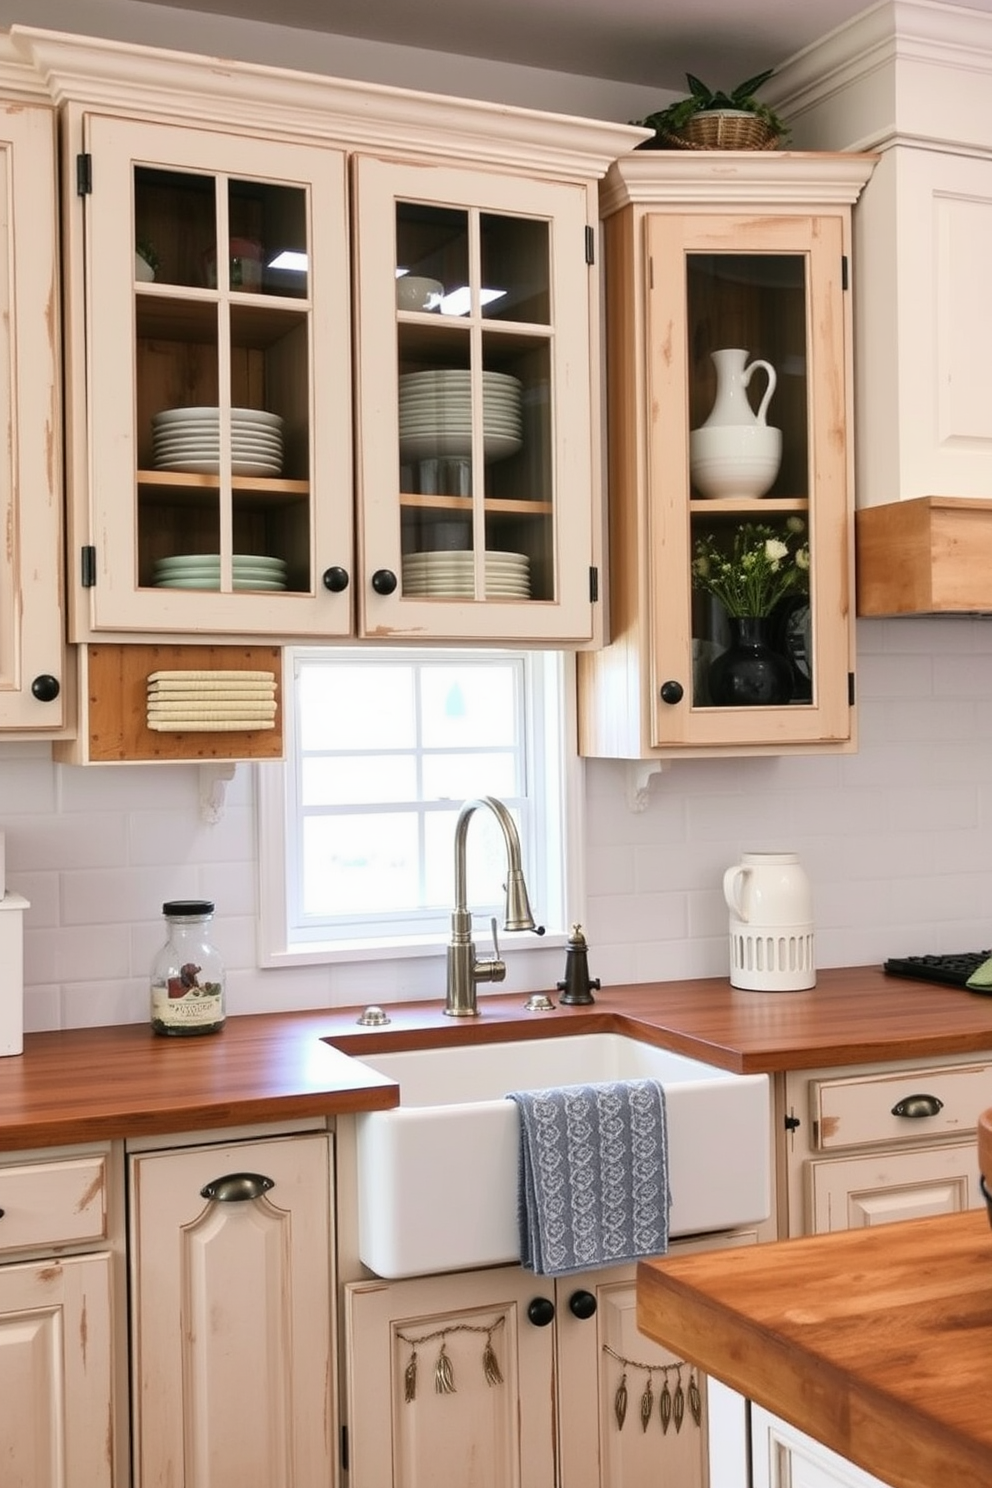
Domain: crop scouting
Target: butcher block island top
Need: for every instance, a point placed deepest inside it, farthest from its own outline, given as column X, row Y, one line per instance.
column 95, row 1083
column 877, row 1342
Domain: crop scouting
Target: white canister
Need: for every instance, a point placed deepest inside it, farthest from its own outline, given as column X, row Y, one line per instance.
column 771, row 923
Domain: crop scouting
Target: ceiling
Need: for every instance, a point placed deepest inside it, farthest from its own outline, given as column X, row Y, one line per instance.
column 649, row 42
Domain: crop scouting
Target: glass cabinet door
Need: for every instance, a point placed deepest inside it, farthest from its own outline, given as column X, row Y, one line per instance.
column 476, row 437
column 221, row 287
column 749, row 469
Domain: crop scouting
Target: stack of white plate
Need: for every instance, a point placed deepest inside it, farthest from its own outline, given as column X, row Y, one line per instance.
column 188, row 439
column 435, row 411
column 202, row 571
column 452, row 575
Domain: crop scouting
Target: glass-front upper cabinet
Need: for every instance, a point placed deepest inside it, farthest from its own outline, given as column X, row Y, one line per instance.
column 731, row 440
column 476, row 490
column 218, row 351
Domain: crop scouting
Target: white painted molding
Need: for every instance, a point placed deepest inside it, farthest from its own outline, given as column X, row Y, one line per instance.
column 192, row 88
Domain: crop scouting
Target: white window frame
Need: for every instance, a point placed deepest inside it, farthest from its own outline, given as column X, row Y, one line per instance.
column 555, row 906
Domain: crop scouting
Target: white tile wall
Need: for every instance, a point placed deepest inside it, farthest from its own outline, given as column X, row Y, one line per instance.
column 895, row 839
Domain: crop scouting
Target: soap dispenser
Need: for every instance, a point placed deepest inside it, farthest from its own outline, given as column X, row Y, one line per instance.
column 577, row 987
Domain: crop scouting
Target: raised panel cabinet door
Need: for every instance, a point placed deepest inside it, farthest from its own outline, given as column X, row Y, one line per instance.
column 450, row 1381
column 852, row 1193
column 56, row 1413
column 783, row 1457
column 215, row 493
column 232, row 1317
column 32, row 687
column 632, row 1414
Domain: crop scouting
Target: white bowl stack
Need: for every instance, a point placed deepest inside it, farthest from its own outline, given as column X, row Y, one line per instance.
column 448, row 575
column 188, row 439
column 435, row 410
column 202, row 571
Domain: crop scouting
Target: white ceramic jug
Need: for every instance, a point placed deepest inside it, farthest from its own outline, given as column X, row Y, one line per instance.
column 735, row 452
column 771, row 923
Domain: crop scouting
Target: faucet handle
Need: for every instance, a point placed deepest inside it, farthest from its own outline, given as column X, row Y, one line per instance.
column 496, row 954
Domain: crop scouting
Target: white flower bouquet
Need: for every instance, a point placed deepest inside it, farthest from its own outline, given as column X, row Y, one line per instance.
column 759, row 567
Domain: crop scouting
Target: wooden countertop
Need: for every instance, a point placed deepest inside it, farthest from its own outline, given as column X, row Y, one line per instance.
column 84, row 1084
column 876, row 1342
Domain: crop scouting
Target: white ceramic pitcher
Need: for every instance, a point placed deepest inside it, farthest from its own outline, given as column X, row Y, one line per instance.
column 771, row 923
column 735, row 452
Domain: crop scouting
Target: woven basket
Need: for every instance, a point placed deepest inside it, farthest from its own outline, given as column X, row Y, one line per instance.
column 716, row 129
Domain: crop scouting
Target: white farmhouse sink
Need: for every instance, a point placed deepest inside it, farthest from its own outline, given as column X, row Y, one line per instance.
column 437, row 1176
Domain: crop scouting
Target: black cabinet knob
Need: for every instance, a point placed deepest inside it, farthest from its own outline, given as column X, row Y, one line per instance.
column 582, row 1304
column 384, row 581
column 541, row 1312
column 335, row 579
column 672, row 692
column 45, row 688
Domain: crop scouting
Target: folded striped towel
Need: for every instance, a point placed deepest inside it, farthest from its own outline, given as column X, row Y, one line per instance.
column 593, row 1175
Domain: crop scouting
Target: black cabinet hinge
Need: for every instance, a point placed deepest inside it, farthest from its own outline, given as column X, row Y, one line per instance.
column 84, row 174
column 344, row 1449
column 845, row 281
column 590, row 245
column 593, row 585
column 792, row 1123
column 87, row 566
column 850, row 689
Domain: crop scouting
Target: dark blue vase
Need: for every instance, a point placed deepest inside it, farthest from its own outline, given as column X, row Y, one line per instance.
column 750, row 673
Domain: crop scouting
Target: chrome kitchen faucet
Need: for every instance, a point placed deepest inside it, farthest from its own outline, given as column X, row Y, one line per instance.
column 464, row 971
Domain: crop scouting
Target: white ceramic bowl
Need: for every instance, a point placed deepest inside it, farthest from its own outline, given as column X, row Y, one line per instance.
column 416, row 293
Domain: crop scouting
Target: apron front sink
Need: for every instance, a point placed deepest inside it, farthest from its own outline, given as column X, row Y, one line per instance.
column 437, row 1176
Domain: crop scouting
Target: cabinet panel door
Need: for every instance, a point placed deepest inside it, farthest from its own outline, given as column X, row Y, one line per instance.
column 55, row 1373
column 783, row 1457
column 232, row 1319
column 31, row 625
column 477, row 459
column 773, row 288
column 406, row 1427
column 852, row 1193
column 609, row 1370
column 218, row 425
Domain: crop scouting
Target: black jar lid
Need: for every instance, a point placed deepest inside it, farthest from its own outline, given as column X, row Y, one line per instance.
column 188, row 907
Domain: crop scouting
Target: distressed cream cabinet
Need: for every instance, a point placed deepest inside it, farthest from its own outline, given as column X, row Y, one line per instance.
column 868, row 1145
column 232, row 1298
column 575, row 1374
column 704, row 253
column 782, row 1457
column 61, row 1414
column 216, row 226
column 32, row 657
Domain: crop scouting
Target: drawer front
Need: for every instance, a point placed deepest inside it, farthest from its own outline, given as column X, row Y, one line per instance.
column 861, row 1110
column 54, row 1202
column 852, row 1193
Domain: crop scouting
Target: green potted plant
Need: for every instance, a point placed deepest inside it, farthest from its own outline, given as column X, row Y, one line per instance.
column 711, row 119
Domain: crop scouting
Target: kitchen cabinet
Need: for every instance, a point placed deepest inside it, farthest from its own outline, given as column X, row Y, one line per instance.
column 218, row 382
column 574, row 1376
column 782, row 1457
column 32, row 657
column 232, row 1301
column 869, row 1145
column 59, row 1419
column 233, row 253
column 477, row 452
column 730, row 254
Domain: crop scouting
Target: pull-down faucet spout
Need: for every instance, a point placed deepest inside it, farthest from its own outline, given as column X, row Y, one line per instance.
column 464, row 971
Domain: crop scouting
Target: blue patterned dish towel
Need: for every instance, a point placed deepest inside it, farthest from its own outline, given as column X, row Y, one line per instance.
column 593, row 1182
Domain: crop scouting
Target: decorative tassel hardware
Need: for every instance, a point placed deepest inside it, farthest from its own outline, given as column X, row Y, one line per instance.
column 444, row 1371
column 671, row 1403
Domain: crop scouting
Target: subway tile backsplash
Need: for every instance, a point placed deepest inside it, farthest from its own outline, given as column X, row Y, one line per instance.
column 895, row 840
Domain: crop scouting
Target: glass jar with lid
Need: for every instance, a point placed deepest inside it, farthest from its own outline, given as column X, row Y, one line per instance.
column 187, row 976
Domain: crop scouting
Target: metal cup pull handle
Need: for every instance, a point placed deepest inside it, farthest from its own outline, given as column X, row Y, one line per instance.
column 235, row 1188
column 918, row 1106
